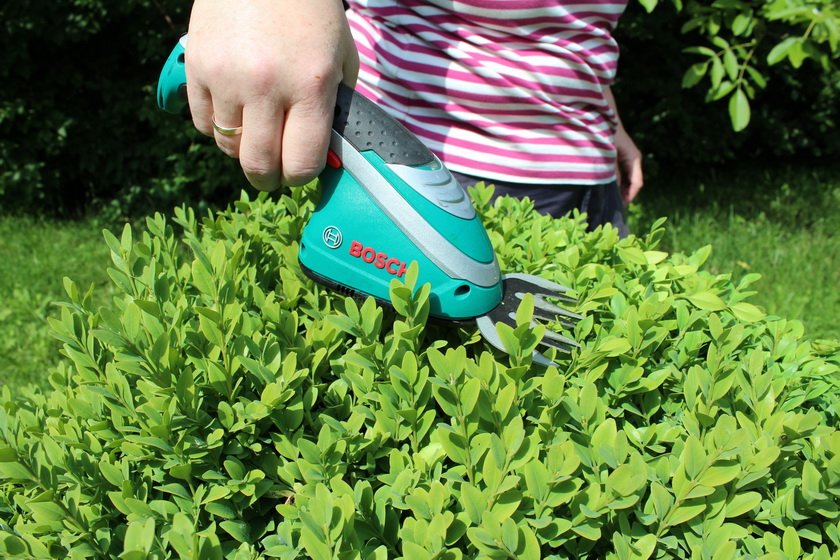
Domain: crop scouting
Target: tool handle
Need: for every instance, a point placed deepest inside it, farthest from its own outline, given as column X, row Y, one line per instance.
column 366, row 126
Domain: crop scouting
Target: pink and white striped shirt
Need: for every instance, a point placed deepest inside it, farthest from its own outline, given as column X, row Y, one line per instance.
column 512, row 90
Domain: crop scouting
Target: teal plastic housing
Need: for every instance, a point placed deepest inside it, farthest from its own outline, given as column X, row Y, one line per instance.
column 347, row 211
column 172, row 80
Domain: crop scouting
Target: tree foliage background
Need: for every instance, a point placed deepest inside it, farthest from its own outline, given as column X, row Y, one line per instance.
column 79, row 126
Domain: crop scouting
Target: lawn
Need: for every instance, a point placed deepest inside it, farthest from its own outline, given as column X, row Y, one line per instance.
column 781, row 223
column 36, row 255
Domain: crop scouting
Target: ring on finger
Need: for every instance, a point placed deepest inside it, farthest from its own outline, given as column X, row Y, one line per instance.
column 224, row 130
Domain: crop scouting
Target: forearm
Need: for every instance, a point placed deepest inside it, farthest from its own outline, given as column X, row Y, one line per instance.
column 628, row 156
column 610, row 97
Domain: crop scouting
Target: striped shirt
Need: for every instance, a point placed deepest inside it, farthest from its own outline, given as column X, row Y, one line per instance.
column 511, row 90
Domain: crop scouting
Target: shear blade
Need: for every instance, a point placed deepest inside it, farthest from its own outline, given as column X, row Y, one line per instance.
column 546, row 312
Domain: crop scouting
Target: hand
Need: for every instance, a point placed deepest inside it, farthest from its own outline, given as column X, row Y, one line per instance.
column 273, row 68
column 629, row 162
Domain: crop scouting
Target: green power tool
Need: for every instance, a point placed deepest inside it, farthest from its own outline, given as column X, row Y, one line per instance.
column 386, row 202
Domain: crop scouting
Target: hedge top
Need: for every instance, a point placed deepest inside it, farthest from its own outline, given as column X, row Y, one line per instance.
column 223, row 406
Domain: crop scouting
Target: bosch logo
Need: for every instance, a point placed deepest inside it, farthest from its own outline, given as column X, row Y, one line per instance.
column 332, row 237
column 393, row 266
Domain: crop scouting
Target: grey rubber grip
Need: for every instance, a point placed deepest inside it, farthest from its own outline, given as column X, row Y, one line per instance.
column 366, row 126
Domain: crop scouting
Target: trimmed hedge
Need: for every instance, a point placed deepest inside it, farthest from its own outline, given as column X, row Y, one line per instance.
column 224, row 406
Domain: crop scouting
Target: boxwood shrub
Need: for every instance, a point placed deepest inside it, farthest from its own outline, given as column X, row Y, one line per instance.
column 224, row 406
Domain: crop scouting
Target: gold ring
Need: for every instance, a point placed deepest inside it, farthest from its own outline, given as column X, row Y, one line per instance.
column 225, row 131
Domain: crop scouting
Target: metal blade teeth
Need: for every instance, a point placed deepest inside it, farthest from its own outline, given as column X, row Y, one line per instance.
column 548, row 311
column 545, row 312
column 552, row 338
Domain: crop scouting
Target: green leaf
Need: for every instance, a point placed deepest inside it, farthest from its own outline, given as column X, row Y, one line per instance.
column 14, row 471
column 694, row 74
column 237, row 529
column 470, row 392
column 473, row 502
column 510, row 535
column 693, row 457
column 414, row 550
column 180, row 536
column 645, row 546
column 707, row 300
column 315, row 544
column 525, row 310
column 649, row 5
column 632, row 255
column 742, row 503
column 726, row 550
column 661, row 500
column 221, row 509
column 112, row 473
column 510, row 342
column 627, row 479
column 588, row 400
column 780, row 51
column 717, row 73
column 504, row 400
column 140, row 536
column 686, row 512
column 453, row 444
column 181, row 472
column 536, row 480
column 741, row 23
column 719, row 475
column 589, row 530
column 614, row 346
column 529, row 548
column 790, row 543
column 125, row 239
column 46, row 512
column 811, row 478
column 730, row 65
column 747, row 312
column 720, row 91
column 739, row 110
column 13, row 545
column 757, row 77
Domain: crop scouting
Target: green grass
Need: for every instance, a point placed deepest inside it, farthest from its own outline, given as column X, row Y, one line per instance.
column 781, row 223
column 36, row 255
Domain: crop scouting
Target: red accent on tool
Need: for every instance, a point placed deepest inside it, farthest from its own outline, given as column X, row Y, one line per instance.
column 333, row 160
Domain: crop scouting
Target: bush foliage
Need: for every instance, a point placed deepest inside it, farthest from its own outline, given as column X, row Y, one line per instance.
column 224, row 406
column 676, row 105
column 739, row 40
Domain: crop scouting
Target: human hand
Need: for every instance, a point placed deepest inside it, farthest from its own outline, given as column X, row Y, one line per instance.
column 271, row 67
column 629, row 163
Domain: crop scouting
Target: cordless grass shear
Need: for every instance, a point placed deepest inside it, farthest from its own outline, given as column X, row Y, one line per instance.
column 386, row 202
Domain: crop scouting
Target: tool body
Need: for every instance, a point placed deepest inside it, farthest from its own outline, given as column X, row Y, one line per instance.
column 388, row 201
